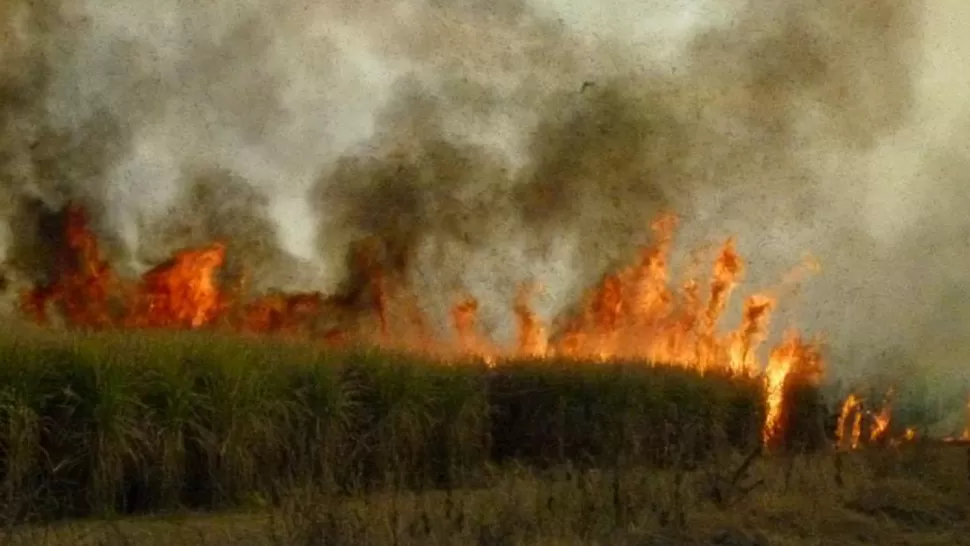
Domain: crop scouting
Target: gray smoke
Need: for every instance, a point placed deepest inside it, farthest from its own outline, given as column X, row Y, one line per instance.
column 494, row 143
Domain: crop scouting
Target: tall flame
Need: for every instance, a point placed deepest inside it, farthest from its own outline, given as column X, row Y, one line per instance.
column 81, row 284
column 794, row 362
column 850, row 410
column 858, row 426
column 633, row 313
column 181, row 292
column 881, row 420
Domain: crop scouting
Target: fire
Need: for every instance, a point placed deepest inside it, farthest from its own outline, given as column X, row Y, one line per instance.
column 880, row 425
column 793, row 363
column 533, row 341
column 464, row 320
column 82, row 281
column 281, row 313
column 753, row 330
column 633, row 313
column 182, row 292
column 966, row 428
column 868, row 427
column 851, row 408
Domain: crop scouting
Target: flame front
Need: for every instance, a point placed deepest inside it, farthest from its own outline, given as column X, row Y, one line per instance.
column 632, row 313
column 182, row 292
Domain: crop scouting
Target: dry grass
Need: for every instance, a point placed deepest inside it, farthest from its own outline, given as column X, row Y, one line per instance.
column 914, row 495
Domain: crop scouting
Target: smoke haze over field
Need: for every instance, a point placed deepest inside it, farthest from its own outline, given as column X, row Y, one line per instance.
column 493, row 143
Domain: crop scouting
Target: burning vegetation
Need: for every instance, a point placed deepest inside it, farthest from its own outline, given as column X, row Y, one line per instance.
column 543, row 400
column 632, row 314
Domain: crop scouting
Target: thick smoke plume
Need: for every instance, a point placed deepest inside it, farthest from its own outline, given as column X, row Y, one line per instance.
column 491, row 143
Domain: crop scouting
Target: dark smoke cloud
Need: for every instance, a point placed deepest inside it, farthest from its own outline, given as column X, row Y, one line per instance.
column 490, row 144
column 731, row 137
column 43, row 166
column 216, row 205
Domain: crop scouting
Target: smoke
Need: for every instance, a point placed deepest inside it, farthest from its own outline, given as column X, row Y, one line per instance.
column 491, row 144
column 216, row 205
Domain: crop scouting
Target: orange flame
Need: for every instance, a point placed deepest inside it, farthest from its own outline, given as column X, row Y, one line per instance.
column 464, row 319
column 533, row 341
column 631, row 314
column 282, row 313
column 866, row 426
column 792, row 363
column 82, row 281
column 850, row 409
column 880, row 425
column 754, row 327
column 182, row 292
column 910, row 434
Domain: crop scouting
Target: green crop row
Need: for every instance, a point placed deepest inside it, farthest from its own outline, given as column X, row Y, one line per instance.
column 149, row 421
